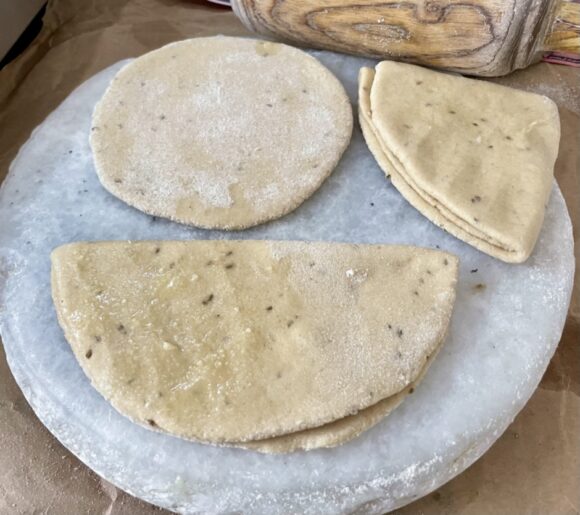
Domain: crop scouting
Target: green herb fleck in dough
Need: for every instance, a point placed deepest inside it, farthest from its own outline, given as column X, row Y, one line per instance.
column 445, row 261
column 451, row 111
column 157, row 250
column 475, row 198
column 207, row 300
column 229, row 253
column 290, row 323
column 411, row 390
column 229, row 266
column 209, row 263
column 89, row 354
column 269, row 308
column 98, row 339
column 151, row 422
column 121, row 328
column 400, row 333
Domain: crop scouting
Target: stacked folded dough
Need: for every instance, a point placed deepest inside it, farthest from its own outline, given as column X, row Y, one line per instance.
column 273, row 346
column 475, row 158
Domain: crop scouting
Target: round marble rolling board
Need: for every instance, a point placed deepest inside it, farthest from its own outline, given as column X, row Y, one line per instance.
column 506, row 325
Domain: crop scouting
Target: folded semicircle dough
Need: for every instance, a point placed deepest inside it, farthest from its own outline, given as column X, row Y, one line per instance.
column 235, row 341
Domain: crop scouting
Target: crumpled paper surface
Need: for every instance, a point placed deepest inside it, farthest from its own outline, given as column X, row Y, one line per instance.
column 534, row 466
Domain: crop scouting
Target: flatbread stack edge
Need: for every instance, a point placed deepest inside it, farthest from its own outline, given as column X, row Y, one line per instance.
column 342, row 430
column 474, row 157
column 276, row 346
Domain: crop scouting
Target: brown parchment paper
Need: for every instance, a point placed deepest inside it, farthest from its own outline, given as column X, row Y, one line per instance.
column 534, row 468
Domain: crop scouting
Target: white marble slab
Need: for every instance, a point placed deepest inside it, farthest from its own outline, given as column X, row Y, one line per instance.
column 502, row 335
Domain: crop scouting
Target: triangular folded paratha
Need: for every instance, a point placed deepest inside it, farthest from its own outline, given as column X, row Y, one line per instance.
column 474, row 157
column 233, row 341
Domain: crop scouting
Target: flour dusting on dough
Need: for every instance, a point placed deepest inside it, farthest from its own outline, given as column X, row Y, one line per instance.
column 214, row 133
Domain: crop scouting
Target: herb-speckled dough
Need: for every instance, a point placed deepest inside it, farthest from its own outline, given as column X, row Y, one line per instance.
column 475, row 158
column 340, row 431
column 220, row 132
column 233, row 341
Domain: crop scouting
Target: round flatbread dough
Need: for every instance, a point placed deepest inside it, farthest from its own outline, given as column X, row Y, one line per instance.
column 220, row 132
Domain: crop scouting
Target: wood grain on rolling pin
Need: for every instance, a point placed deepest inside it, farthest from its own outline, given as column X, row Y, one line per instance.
column 564, row 35
column 480, row 37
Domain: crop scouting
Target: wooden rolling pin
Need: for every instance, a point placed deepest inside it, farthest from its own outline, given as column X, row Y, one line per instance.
column 474, row 37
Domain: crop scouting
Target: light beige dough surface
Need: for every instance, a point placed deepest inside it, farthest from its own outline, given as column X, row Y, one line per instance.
column 232, row 341
column 220, row 132
column 340, row 431
column 475, row 158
